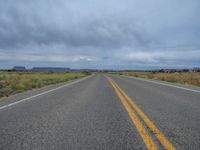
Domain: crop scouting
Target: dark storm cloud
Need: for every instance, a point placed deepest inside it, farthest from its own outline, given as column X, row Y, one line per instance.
column 18, row 29
column 86, row 32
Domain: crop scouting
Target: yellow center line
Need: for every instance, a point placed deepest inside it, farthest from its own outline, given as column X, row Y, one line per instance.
column 161, row 137
column 142, row 130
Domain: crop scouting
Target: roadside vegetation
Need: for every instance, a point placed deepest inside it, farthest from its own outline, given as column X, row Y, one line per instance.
column 190, row 78
column 16, row 82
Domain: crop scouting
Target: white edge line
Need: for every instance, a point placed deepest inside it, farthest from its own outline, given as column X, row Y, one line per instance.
column 28, row 98
column 157, row 82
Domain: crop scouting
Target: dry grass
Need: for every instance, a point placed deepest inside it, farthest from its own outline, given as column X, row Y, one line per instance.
column 12, row 82
column 191, row 78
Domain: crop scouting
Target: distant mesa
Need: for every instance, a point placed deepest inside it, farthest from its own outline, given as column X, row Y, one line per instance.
column 19, row 68
column 41, row 69
column 50, row 69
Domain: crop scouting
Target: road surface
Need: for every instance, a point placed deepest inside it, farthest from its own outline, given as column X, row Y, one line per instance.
column 102, row 112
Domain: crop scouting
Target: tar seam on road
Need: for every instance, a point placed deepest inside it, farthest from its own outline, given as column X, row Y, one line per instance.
column 160, row 83
column 43, row 93
column 128, row 101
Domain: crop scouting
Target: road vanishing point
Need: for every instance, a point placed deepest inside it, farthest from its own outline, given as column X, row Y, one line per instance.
column 104, row 112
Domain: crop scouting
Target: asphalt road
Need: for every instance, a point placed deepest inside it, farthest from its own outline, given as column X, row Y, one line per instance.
column 102, row 112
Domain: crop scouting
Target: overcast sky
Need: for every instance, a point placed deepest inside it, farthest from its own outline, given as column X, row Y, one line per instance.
column 102, row 34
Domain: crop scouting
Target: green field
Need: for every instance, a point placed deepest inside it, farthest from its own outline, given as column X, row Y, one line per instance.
column 13, row 82
column 190, row 78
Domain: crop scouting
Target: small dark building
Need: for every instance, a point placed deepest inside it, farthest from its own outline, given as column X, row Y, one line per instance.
column 196, row 69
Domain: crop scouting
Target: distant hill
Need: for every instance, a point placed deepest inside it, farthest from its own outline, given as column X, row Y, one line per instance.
column 19, row 68
column 50, row 69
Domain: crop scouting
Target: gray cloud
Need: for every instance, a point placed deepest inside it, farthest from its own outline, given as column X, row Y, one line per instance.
column 97, row 34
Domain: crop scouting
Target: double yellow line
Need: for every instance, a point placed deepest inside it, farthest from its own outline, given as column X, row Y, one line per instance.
column 132, row 109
